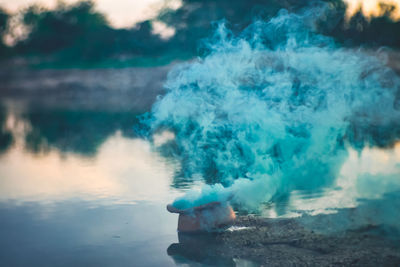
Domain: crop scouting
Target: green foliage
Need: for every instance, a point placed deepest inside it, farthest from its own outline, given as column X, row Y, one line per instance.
column 193, row 21
column 360, row 30
column 3, row 20
column 6, row 138
column 4, row 16
column 78, row 33
column 60, row 28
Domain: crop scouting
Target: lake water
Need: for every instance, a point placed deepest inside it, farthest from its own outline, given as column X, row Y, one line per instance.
column 67, row 200
column 78, row 188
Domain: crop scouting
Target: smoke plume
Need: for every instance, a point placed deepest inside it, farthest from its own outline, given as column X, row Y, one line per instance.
column 273, row 109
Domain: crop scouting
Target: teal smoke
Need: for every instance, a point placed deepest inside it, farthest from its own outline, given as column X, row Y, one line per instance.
column 272, row 109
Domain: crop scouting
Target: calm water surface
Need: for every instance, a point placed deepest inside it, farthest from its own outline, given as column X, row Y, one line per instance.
column 84, row 195
column 78, row 188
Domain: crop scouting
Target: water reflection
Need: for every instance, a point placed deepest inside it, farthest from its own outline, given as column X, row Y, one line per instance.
column 200, row 248
column 374, row 215
column 370, row 175
column 83, row 177
column 94, row 154
column 66, row 200
column 5, row 136
column 126, row 169
column 80, row 131
column 74, row 233
column 63, row 204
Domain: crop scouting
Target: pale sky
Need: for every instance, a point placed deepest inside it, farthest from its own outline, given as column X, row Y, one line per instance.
column 371, row 7
column 121, row 13
column 125, row 13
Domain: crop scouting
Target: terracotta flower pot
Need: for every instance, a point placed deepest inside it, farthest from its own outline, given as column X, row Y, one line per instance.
column 207, row 217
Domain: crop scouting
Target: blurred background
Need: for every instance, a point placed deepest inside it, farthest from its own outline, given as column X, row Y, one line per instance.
column 114, row 55
column 75, row 76
column 151, row 32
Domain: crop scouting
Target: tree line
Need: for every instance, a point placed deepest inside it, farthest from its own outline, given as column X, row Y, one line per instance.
column 78, row 33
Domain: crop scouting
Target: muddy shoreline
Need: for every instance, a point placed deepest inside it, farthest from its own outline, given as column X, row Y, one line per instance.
column 287, row 242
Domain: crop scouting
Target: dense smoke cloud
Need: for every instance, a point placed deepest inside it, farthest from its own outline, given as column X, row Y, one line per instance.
column 273, row 110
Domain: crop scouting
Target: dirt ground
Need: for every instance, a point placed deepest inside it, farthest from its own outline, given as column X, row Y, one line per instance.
column 254, row 241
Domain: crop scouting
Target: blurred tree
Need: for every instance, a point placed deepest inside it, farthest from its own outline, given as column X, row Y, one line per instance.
column 78, row 33
column 360, row 30
column 192, row 21
column 4, row 16
column 66, row 27
column 6, row 138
